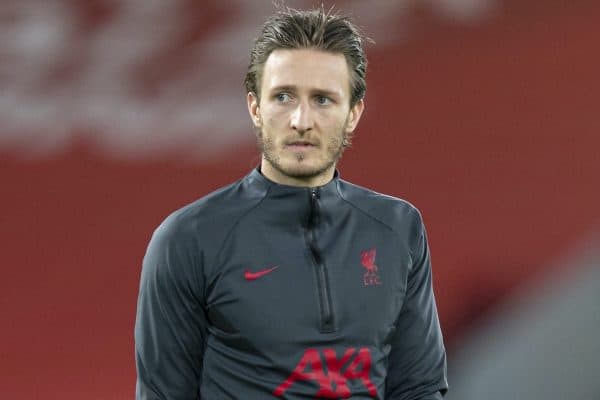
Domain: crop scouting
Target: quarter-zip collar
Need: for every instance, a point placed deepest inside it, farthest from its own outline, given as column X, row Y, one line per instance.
column 259, row 182
column 288, row 204
column 285, row 204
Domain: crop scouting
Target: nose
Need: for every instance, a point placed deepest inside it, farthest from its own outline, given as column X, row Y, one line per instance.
column 301, row 119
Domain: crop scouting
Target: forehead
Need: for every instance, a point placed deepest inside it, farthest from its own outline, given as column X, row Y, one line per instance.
column 306, row 69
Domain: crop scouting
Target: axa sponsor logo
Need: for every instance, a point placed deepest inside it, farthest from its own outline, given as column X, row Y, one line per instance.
column 333, row 378
column 367, row 259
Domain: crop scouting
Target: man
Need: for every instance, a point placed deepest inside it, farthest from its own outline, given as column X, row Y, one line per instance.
column 292, row 283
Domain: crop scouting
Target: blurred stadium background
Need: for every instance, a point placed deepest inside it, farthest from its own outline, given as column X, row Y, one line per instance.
column 484, row 113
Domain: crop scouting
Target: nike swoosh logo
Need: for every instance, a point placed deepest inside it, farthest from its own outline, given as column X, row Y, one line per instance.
column 250, row 276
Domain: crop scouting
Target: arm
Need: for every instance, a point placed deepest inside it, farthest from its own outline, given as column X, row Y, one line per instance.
column 417, row 361
column 170, row 328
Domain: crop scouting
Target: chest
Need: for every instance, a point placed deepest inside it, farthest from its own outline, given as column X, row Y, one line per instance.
column 278, row 287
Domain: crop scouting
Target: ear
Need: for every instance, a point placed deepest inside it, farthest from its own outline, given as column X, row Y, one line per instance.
column 254, row 109
column 354, row 116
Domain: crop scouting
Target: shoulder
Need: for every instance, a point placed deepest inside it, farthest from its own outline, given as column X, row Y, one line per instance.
column 393, row 212
column 212, row 215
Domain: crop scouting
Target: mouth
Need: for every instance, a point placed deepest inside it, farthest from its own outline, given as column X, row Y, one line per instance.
column 299, row 145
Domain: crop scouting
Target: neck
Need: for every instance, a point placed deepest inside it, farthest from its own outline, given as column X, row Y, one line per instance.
column 310, row 181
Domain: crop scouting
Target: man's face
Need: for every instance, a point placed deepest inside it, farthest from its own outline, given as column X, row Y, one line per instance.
column 303, row 116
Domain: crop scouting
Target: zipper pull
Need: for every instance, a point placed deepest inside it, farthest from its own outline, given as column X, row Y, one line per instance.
column 314, row 206
column 315, row 193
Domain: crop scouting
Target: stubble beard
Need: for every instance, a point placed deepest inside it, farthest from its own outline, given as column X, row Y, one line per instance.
column 335, row 149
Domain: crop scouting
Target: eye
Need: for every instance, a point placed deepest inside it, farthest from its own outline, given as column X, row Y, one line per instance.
column 323, row 100
column 283, row 97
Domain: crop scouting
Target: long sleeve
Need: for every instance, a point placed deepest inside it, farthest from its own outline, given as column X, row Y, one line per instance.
column 417, row 361
column 170, row 327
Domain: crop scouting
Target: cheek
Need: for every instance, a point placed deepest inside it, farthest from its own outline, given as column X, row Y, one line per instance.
column 338, row 125
column 268, row 131
column 274, row 123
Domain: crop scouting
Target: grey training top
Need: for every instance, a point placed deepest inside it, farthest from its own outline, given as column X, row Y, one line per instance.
column 261, row 290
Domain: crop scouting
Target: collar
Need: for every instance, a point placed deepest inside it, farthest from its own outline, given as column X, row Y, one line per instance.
column 286, row 204
column 258, row 181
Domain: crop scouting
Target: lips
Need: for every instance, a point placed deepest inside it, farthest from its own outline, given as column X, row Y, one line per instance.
column 300, row 145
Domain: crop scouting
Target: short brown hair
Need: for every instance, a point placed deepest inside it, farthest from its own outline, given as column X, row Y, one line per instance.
column 314, row 29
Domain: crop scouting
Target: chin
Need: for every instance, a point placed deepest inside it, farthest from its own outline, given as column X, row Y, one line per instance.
column 297, row 169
